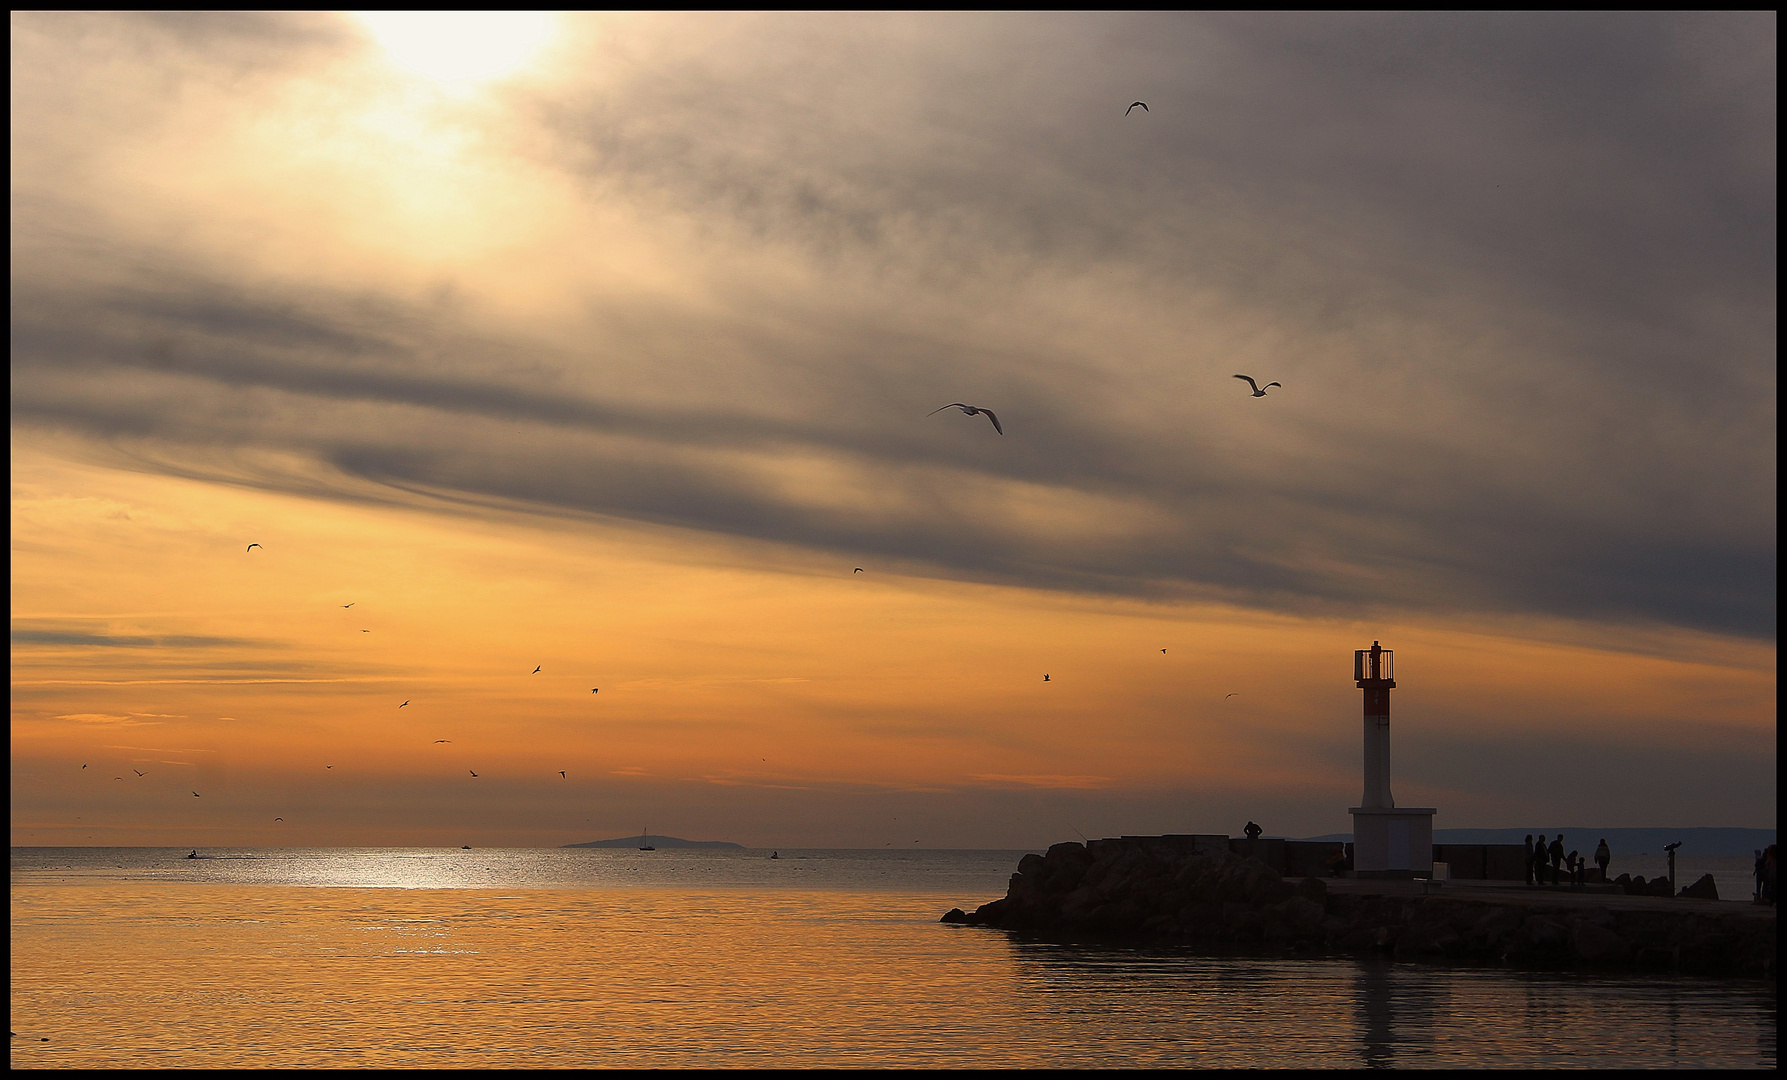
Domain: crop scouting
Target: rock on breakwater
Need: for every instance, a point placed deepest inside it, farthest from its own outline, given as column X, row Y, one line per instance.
column 1170, row 890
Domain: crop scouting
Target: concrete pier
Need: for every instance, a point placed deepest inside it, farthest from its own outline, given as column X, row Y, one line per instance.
column 1190, row 890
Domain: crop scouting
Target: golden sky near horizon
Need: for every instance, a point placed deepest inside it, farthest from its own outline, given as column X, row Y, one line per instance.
column 604, row 345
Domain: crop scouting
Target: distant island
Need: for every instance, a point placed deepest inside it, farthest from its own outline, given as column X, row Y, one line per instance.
column 659, row 842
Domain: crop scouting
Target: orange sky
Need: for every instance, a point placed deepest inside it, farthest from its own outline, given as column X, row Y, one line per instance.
column 605, row 346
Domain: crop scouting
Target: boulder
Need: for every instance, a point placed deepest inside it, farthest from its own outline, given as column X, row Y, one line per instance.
column 1704, row 889
column 1315, row 890
column 1597, row 944
column 954, row 915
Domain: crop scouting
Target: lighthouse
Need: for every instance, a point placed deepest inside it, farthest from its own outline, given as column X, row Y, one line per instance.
column 1389, row 841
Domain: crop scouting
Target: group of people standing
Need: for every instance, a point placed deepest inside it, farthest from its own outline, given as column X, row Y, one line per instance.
column 1540, row 856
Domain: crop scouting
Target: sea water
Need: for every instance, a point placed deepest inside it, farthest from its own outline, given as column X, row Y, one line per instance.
column 418, row 958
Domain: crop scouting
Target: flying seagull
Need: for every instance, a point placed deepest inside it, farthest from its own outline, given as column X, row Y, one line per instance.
column 858, row 570
column 594, row 689
column 251, row 547
column 83, row 766
column 1163, row 650
column 1131, row 108
column 562, row 775
column 1045, row 678
column 278, row 819
column 470, row 771
column 350, row 605
column 443, row 740
column 536, row 670
column 139, row 772
column 1258, row 390
column 401, row 706
column 971, row 410
column 1225, row 697
column 195, row 794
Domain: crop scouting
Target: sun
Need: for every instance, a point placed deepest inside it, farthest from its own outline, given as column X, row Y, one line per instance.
column 460, row 49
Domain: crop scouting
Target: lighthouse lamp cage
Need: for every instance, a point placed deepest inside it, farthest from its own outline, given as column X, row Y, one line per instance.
column 1370, row 665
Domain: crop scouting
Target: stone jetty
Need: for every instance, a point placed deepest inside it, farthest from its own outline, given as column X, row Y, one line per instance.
column 1173, row 890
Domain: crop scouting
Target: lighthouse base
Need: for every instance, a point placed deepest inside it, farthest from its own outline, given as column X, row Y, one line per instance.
column 1392, row 842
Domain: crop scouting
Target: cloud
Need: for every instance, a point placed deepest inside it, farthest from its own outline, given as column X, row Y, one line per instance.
column 1079, row 783
column 1516, row 274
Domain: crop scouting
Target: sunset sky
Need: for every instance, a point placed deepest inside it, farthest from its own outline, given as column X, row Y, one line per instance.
column 605, row 344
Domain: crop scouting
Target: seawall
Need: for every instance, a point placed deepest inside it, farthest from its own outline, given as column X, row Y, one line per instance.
column 1174, row 890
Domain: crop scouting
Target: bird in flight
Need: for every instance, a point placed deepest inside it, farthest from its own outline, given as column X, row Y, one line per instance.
column 401, row 706
column 117, row 778
column 1132, row 106
column 139, row 772
column 328, row 766
column 858, row 570
column 195, row 794
column 443, row 740
column 971, row 410
column 470, row 771
column 366, row 631
column 1045, row 678
column 345, row 606
column 594, row 689
column 1258, row 390
column 251, row 547
column 536, row 670
column 1225, row 697
column 83, row 766
column 278, row 819
column 562, row 776
column 1163, row 650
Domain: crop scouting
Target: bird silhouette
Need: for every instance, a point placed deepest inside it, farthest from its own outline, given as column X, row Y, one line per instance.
column 117, row 778
column 594, row 689
column 971, row 410
column 1163, row 650
column 858, row 570
column 195, row 794
column 251, row 547
column 83, row 766
column 443, row 740
column 536, row 670
column 139, row 772
column 470, row 771
column 1258, row 390
column 366, row 631
column 1045, row 678
column 562, row 775
column 278, row 819
column 401, row 706
column 328, row 766
column 346, row 606
column 1225, row 697
column 1132, row 106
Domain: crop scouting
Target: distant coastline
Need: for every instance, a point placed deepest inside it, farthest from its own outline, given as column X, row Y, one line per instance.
column 657, row 842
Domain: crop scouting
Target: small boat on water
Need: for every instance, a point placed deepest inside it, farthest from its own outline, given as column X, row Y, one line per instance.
column 643, row 846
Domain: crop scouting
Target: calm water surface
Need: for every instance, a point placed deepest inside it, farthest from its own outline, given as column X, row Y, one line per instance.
column 382, row 958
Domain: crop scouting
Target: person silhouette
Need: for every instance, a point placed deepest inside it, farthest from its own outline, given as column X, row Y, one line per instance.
column 1758, row 893
column 1253, row 831
column 1556, row 851
column 1529, row 858
column 1603, row 856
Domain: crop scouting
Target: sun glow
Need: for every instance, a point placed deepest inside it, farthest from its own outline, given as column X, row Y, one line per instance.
column 460, row 49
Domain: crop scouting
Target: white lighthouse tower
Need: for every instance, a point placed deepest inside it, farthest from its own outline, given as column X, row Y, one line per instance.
column 1388, row 841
